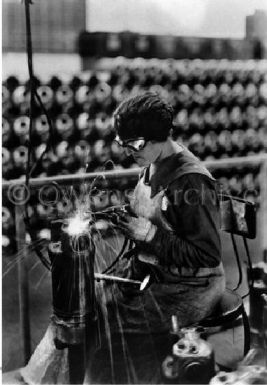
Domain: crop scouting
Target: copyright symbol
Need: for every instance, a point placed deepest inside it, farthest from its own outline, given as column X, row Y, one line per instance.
column 18, row 194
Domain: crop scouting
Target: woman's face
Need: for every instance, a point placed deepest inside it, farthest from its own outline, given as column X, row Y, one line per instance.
column 148, row 154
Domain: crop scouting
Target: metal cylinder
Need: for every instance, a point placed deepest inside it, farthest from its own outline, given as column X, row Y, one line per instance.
column 73, row 288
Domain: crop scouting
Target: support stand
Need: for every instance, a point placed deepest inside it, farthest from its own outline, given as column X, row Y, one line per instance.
column 24, row 306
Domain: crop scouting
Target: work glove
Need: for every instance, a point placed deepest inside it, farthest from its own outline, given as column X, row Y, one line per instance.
column 136, row 228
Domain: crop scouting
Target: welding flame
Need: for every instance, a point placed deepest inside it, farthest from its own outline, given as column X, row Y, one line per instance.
column 77, row 225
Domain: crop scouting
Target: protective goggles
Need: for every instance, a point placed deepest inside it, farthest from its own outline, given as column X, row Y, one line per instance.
column 135, row 144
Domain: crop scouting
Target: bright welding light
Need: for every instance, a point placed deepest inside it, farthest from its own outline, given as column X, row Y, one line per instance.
column 77, row 226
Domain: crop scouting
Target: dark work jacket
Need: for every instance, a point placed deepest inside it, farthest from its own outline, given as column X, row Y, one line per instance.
column 184, row 256
column 192, row 211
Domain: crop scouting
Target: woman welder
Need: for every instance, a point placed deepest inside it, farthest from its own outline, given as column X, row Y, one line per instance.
column 174, row 221
column 175, row 225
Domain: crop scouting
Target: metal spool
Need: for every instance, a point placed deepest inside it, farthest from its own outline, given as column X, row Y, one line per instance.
column 82, row 150
column 102, row 91
column 6, row 242
column 20, row 156
column 6, row 131
column 39, row 150
column 20, row 96
column 119, row 93
column 5, row 126
column 237, row 90
column 7, row 163
column 5, row 95
column 210, row 91
column 46, row 95
column 5, row 156
column 86, row 126
column 21, row 126
column 41, row 125
column 82, row 94
column 101, row 151
column 103, row 125
column 62, row 150
column 83, row 121
column 64, row 125
column 64, row 94
column 263, row 91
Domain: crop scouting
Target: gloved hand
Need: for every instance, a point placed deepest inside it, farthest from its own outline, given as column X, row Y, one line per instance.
column 138, row 229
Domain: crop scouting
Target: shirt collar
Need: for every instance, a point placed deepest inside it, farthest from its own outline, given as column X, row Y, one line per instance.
column 172, row 167
column 163, row 174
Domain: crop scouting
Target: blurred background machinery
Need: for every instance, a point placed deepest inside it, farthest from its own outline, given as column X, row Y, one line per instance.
column 220, row 112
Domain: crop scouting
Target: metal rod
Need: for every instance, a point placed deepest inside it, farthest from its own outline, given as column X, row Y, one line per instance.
column 30, row 68
column 253, row 160
column 23, row 287
column 244, row 161
column 107, row 277
column 143, row 284
column 263, row 203
column 74, row 178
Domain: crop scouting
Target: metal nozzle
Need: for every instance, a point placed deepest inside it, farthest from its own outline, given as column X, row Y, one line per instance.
column 143, row 284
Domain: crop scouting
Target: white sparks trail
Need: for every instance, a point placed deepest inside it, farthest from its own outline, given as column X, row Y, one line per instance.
column 46, row 273
column 19, row 256
column 37, row 263
column 102, row 299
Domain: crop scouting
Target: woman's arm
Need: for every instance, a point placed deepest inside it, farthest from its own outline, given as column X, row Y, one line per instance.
column 193, row 212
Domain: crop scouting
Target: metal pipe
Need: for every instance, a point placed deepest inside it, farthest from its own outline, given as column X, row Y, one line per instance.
column 219, row 164
column 23, row 286
column 74, row 178
column 263, row 219
column 107, row 277
column 143, row 284
column 244, row 161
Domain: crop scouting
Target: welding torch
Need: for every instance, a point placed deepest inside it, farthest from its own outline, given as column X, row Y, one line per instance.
column 112, row 213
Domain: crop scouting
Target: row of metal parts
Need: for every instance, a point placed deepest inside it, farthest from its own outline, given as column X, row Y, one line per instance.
column 76, row 155
column 16, row 131
column 101, row 123
column 121, row 70
column 83, row 96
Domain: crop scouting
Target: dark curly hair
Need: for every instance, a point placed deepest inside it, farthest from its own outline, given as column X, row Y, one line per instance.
column 146, row 115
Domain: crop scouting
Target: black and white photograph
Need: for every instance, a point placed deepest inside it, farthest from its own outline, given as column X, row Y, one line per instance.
column 134, row 192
